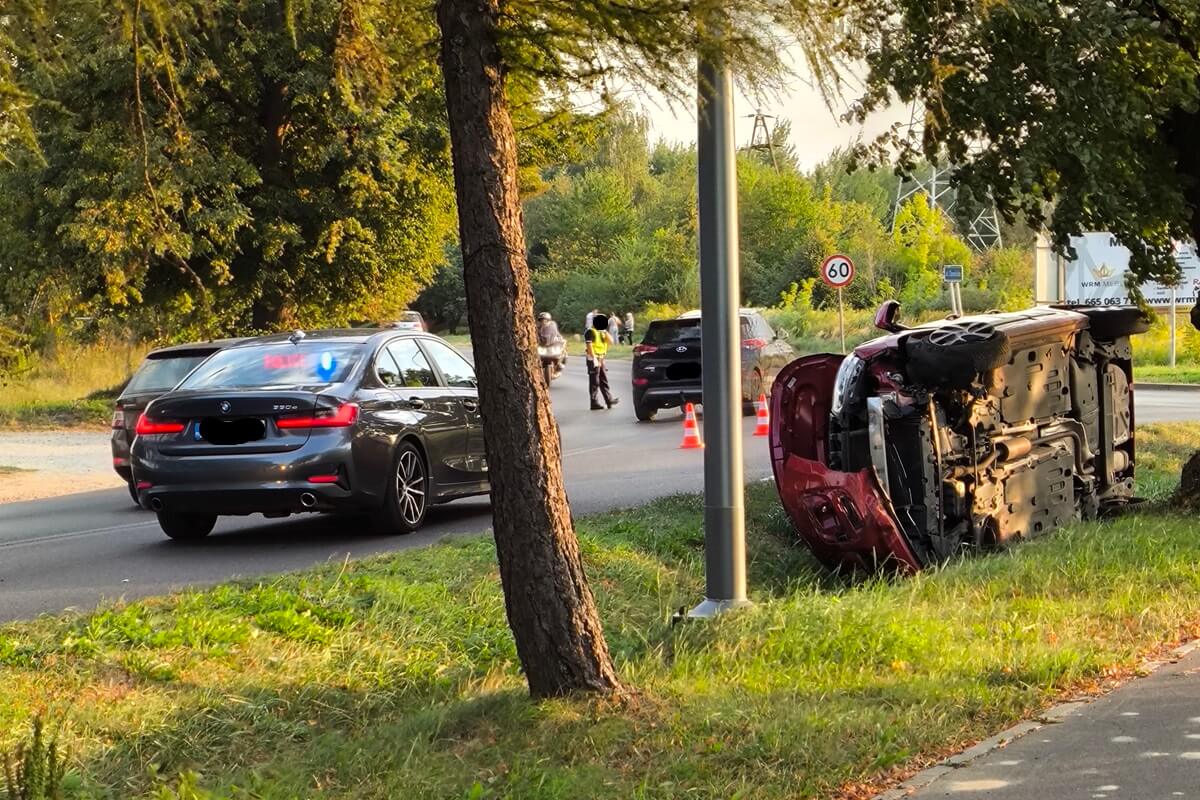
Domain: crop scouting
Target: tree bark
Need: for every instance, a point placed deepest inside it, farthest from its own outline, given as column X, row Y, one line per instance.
column 550, row 607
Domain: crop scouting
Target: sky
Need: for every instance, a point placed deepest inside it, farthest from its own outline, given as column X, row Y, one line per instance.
column 816, row 131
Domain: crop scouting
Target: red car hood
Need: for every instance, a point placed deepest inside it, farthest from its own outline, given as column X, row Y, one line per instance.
column 845, row 518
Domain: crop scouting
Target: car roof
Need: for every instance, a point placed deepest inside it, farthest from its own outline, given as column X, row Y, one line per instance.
column 209, row 346
column 695, row 313
column 348, row 335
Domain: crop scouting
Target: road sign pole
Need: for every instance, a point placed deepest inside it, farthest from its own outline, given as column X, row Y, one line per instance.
column 720, row 299
column 842, row 319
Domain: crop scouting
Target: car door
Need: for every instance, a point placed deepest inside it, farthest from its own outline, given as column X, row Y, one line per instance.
column 443, row 424
column 459, row 375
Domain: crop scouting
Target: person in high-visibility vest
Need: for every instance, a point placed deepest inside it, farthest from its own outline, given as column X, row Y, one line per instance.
column 596, row 341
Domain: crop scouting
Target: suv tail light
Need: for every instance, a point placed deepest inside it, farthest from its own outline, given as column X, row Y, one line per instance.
column 343, row 416
column 148, row 427
column 118, row 420
column 756, row 344
column 644, row 349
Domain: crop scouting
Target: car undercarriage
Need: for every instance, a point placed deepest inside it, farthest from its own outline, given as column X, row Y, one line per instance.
column 957, row 436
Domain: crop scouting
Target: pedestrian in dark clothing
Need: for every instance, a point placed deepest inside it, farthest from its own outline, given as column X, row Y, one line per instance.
column 596, row 342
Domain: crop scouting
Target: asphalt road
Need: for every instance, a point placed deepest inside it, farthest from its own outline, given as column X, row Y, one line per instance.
column 78, row 550
column 1142, row 742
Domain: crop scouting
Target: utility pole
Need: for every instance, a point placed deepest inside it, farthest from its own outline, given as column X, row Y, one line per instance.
column 761, row 139
column 720, row 299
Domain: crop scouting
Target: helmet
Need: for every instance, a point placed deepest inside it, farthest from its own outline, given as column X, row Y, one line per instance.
column 544, row 316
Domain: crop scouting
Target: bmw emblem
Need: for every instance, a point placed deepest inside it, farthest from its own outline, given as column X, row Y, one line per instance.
column 681, row 349
column 225, row 406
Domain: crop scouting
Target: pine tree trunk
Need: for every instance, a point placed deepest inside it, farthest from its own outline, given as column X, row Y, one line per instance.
column 550, row 606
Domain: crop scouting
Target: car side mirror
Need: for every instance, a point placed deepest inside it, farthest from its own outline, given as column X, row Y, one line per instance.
column 886, row 315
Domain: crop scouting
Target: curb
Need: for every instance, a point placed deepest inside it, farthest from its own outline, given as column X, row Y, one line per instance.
column 1171, row 387
column 1051, row 716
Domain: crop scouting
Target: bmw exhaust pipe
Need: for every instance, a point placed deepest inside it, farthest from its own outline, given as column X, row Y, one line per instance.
column 308, row 500
column 155, row 504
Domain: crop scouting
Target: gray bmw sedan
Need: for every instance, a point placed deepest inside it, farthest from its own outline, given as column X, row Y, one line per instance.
column 382, row 422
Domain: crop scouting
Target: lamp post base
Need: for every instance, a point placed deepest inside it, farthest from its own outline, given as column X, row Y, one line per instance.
column 711, row 608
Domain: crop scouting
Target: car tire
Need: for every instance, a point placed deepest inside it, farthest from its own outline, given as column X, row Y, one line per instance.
column 186, row 527
column 644, row 413
column 132, row 487
column 548, row 372
column 1114, row 323
column 954, row 354
column 406, row 501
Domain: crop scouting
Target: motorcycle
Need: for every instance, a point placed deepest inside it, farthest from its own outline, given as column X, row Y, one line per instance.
column 554, row 359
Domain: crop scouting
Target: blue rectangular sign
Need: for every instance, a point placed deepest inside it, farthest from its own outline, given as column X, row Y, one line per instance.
column 952, row 273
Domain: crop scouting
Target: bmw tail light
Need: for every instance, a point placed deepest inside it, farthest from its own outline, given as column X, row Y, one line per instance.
column 343, row 416
column 641, row 381
column 644, row 349
column 754, row 344
column 118, row 420
column 150, row 427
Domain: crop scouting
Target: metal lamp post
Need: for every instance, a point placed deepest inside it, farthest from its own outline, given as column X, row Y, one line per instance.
column 720, row 299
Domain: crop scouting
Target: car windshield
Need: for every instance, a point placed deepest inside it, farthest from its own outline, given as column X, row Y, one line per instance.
column 277, row 364
column 672, row 330
column 160, row 373
column 410, row 316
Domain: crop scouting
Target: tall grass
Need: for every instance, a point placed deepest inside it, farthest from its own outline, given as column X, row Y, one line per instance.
column 72, row 385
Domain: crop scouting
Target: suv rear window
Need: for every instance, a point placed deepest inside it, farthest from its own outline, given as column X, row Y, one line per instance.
column 161, row 373
column 278, row 364
column 672, row 330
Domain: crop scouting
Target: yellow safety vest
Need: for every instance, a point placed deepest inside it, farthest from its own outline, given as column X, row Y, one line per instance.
column 599, row 343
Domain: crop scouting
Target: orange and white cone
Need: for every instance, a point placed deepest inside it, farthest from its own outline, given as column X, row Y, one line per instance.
column 764, row 418
column 691, row 433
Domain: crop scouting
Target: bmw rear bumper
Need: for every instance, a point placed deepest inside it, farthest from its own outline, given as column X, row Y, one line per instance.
column 271, row 483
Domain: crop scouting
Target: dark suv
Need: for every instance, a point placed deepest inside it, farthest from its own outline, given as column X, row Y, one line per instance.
column 158, row 374
column 666, row 365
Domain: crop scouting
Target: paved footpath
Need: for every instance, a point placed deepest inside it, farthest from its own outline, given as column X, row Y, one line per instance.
column 1140, row 742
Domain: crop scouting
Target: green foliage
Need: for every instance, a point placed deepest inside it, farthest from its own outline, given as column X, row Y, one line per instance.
column 1084, row 112
column 35, row 771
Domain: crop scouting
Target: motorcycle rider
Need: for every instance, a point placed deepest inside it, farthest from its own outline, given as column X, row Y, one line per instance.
column 548, row 334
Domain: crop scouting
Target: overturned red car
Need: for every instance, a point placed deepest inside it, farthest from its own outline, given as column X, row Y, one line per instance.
column 956, row 435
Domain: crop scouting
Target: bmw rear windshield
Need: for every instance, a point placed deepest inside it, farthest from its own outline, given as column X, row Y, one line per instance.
column 276, row 365
column 672, row 330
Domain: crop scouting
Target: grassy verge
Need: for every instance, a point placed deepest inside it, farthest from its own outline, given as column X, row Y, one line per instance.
column 396, row 676
column 50, row 414
column 7, row 470
column 1155, row 373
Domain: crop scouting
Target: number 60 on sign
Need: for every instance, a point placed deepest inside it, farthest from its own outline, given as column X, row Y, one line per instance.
column 837, row 271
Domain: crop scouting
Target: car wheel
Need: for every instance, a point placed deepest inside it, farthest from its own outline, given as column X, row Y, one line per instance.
column 407, row 499
column 954, row 354
column 132, row 487
column 186, row 527
column 1113, row 323
column 644, row 413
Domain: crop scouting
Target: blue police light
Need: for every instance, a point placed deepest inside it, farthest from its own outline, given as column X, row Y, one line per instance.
column 326, row 366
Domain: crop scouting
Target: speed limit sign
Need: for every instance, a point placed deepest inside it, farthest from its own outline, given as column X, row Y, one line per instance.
column 837, row 271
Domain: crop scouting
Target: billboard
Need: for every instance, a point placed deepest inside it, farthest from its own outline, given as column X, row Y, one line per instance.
column 1097, row 275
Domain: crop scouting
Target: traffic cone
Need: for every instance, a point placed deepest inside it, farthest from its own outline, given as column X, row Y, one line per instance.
column 764, row 419
column 691, row 433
